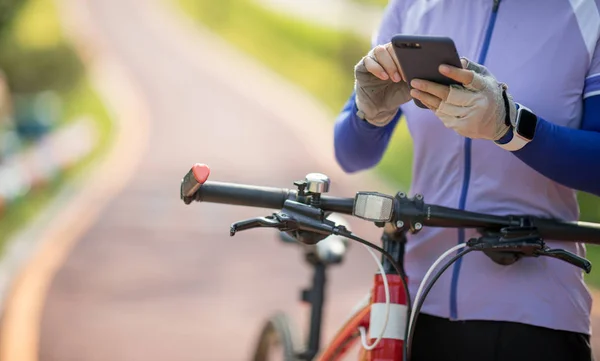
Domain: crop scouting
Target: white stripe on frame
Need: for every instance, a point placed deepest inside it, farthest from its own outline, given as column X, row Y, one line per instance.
column 396, row 321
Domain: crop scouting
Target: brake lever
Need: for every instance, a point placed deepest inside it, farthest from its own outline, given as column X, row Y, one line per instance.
column 276, row 220
column 523, row 243
column 525, row 246
column 568, row 257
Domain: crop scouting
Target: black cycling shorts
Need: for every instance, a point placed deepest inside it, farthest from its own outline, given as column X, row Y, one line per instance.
column 439, row 339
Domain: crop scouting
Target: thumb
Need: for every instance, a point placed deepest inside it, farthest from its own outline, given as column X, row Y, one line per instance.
column 478, row 83
column 477, row 68
column 464, row 62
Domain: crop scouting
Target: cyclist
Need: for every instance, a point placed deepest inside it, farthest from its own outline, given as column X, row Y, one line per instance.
column 469, row 153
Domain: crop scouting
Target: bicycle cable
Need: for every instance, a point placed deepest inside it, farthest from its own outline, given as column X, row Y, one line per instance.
column 430, row 271
column 418, row 305
column 361, row 329
column 400, row 272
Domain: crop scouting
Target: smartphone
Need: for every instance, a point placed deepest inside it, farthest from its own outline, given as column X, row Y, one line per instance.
column 420, row 56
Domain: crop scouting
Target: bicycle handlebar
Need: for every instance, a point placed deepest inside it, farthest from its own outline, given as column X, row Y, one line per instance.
column 201, row 190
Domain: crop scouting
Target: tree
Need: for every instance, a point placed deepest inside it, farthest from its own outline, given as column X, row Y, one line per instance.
column 8, row 11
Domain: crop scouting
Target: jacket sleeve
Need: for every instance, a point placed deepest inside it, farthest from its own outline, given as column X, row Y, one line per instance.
column 568, row 156
column 359, row 145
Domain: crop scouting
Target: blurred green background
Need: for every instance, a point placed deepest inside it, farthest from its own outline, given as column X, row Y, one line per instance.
column 48, row 90
column 373, row 2
column 328, row 56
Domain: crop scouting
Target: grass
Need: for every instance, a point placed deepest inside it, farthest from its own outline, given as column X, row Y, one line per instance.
column 380, row 3
column 37, row 27
column 318, row 59
column 84, row 101
column 590, row 211
column 321, row 61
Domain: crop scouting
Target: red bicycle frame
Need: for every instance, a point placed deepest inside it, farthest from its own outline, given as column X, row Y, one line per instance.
column 372, row 318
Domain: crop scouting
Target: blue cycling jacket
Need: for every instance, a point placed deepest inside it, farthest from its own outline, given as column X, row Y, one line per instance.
column 547, row 52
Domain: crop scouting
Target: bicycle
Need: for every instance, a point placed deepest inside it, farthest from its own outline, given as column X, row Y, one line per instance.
column 388, row 314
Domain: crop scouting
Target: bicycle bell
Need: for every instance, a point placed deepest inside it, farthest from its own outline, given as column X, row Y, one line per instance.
column 317, row 183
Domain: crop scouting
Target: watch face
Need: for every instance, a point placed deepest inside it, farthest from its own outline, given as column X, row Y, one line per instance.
column 527, row 124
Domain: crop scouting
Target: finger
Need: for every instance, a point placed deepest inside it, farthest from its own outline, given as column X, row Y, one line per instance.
column 479, row 72
column 385, row 60
column 453, row 111
column 390, row 49
column 426, row 98
column 439, row 90
column 461, row 96
column 449, row 121
column 374, row 68
column 453, row 122
column 477, row 68
column 429, row 106
column 464, row 62
column 477, row 84
column 462, row 76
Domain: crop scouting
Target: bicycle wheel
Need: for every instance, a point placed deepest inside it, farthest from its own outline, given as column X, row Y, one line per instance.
column 277, row 341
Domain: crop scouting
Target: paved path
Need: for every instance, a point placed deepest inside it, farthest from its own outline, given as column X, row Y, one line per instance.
column 154, row 279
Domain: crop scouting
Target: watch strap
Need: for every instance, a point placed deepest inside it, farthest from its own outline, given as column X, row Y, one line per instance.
column 511, row 141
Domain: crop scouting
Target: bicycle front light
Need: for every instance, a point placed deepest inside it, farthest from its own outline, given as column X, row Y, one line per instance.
column 373, row 206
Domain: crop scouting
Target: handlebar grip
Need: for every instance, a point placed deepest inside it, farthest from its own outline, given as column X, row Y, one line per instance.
column 567, row 231
column 194, row 186
column 243, row 195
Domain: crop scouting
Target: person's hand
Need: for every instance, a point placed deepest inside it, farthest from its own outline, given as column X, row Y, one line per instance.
column 474, row 109
column 379, row 87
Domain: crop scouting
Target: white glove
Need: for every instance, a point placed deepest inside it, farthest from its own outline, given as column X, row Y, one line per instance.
column 379, row 87
column 475, row 110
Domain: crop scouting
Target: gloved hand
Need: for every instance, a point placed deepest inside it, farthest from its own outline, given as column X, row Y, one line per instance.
column 475, row 109
column 379, row 87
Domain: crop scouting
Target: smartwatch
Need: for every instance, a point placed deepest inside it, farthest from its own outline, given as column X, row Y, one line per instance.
column 522, row 132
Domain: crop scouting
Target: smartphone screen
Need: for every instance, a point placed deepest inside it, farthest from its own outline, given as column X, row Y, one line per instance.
column 420, row 56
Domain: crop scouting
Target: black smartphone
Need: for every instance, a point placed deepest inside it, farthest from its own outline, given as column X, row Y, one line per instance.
column 420, row 56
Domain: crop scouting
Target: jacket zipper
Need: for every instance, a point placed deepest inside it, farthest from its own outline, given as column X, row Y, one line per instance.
column 467, row 170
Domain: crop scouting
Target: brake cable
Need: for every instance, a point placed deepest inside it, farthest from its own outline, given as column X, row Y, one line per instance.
column 419, row 301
